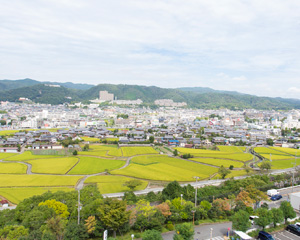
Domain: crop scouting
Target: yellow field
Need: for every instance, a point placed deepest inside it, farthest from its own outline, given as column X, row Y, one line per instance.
column 264, row 150
column 53, row 165
column 165, row 169
column 10, row 132
column 6, row 155
column 291, row 151
column 16, row 195
column 232, row 174
column 219, row 162
column 90, row 139
column 232, row 149
column 113, row 184
column 193, row 151
column 91, row 165
column 28, row 156
column 108, row 151
column 276, row 157
column 35, row 180
column 132, row 151
column 8, row 167
column 283, row 164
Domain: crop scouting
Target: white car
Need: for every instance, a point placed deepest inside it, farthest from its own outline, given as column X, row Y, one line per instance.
column 251, row 219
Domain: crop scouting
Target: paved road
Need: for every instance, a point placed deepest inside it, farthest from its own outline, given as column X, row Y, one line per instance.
column 203, row 232
column 285, row 235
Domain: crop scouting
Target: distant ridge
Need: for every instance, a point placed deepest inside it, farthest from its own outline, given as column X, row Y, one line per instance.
column 198, row 97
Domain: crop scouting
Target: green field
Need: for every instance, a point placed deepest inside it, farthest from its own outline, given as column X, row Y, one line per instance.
column 8, row 167
column 108, row 151
column 35, row 180
column 6, row 155
column 276, row 157
column 53, row 165
column 264, row 150
column 196, row 151
column 132, row 151
column 28, row 156
column 232, row 174
column 232, row 149
column 291, row 151
column 10, row 132
column 90, row 139
column 243, row 148
column 113, row 184
column 165, row 169
column 283, row 164
column 91, row 165
column 218, row 162
column 16, row 195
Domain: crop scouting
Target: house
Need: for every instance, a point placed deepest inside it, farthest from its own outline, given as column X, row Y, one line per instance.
column 173, row 142
column 4, row 203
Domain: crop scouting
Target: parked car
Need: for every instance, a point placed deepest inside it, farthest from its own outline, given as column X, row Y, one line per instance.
column 251, row 219
column 293, row 229
column 262, row 235
column 276, row 197
column 272, row 192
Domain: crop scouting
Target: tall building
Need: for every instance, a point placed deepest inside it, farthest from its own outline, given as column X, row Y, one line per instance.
column 104, row 95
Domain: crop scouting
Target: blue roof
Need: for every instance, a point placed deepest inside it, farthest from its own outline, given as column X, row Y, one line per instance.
column 173, row 141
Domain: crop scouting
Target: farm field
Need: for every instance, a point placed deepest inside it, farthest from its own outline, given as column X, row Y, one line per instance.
column 232, row 149
column 264, row 150
column 165, row 168
column 11, row 180
column 91, row 165
column 243, row 148
column 232, row 174
column 28, row 156
column 287, row 150
column 90, row 139
column 16, row 195
column 283, row 164
column 6, row 155
column 53, row 165
column 218, row 162
column 17, row 168
column 276, row 157
column 195, row 151
column 108, row 151
column 131, row 151
column 113, row 184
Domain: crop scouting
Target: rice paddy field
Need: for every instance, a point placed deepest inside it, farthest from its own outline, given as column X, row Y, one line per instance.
column 231, row 149
column 53, row 165
column 287, row 151
column 27, row 155
column 16, row 194
column 276, row 157
column 112, row 184
column 233, row 173
column 91, row 165
column 283, row 164
column 6, row 155
column 265, row 150
column 90, row 139
column 219, row 162
column 107, row 151
column 13, row 180
column 165, row 168
column 132, row 151
column 11, row 167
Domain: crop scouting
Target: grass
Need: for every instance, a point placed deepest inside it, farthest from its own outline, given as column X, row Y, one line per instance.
column 132, row 151
column 6, row 155
column 29, row 156
column 90, row 139
column 11, row 180
column 113, row 184
column 8, row 167
column 16, row 195
column 165, row 168
column 232, row 149
column 287, row 150
column 219, row 162
column 53, row 165
column 91, row 165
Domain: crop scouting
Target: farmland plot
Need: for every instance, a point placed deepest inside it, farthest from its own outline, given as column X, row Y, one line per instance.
column 131, row 151
column 9, row 167
column 219, row 162
column 28, row 156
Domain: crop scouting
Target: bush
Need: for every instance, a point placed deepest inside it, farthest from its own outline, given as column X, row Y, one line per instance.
column 231, row 167
column 197, row 223
column 170, row 227
column 137, row 235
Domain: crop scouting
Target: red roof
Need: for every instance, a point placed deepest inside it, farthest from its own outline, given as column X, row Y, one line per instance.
column 4, row 202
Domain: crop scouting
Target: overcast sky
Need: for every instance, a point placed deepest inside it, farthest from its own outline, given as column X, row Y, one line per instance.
column 247, row 46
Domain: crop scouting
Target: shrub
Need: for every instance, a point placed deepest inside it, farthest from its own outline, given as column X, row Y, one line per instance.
column 170, row 227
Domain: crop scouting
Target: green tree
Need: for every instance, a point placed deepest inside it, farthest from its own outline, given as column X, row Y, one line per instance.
column 175, row 152
column 132, row 184
column 75, row 152
column 265, row 165
column 13, row 232
column 223, row 172
column 206, row 205
column 86, row 147
column 59, row 208
column 151, row 139
column 113, row 213
column 56, row 226
column 287, row 210
column 184, row 231
column 152, row 235
column 240, row 221
column 270, row 142
column 264, row 217
column 277, row 216
column 75, row 232
column 172, row 190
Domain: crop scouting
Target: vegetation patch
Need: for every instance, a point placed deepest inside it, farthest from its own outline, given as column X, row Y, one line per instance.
column 90, row 139
column 287, row 150
column 232, row 149
column 131, row 151
column 113, row 184
column 219, row 162
column 28, row 156
column 91, row 165
column 283, row 164
column 6, row 155
column 276, row 157
column 8, row 167
column 53, row 165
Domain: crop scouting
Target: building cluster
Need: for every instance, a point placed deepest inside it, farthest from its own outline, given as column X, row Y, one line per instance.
column 172, row 126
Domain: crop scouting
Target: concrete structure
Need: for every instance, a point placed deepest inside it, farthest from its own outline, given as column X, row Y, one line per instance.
column 104, row 95
column 295, row 200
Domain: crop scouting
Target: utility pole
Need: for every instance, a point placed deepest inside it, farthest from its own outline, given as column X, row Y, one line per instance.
column 196, row 191
column 78, row 206
column 294, row 171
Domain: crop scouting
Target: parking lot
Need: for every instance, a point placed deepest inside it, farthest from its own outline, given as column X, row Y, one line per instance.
column 285, row 235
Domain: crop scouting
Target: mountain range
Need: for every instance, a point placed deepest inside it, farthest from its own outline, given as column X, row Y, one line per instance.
column 196, row 97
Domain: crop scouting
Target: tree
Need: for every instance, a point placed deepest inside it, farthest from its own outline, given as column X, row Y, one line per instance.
column 184, row 231
column 86, row 147
column 264, row 217
column 164, row 208
column 75, row 231
column 56, row 226
column 152, row 235
column 90, row 224
column 13, row 232
column 206, row 205
column 132, row 184
column 75, row 152
column 175, row 152
column 240, row 221
column 172, row 190
column 270, row 142
column 223, row 172
column 244, row 197
column 265, row 165
column 151, row 139
column 277, row 216
column 287, row 210
column 256, row 194
column 113, row 213
column 59, row 208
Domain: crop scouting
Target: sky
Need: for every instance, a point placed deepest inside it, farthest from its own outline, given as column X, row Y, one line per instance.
column 238, row 45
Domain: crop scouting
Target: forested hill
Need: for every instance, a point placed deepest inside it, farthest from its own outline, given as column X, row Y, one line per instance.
column 209, row 100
